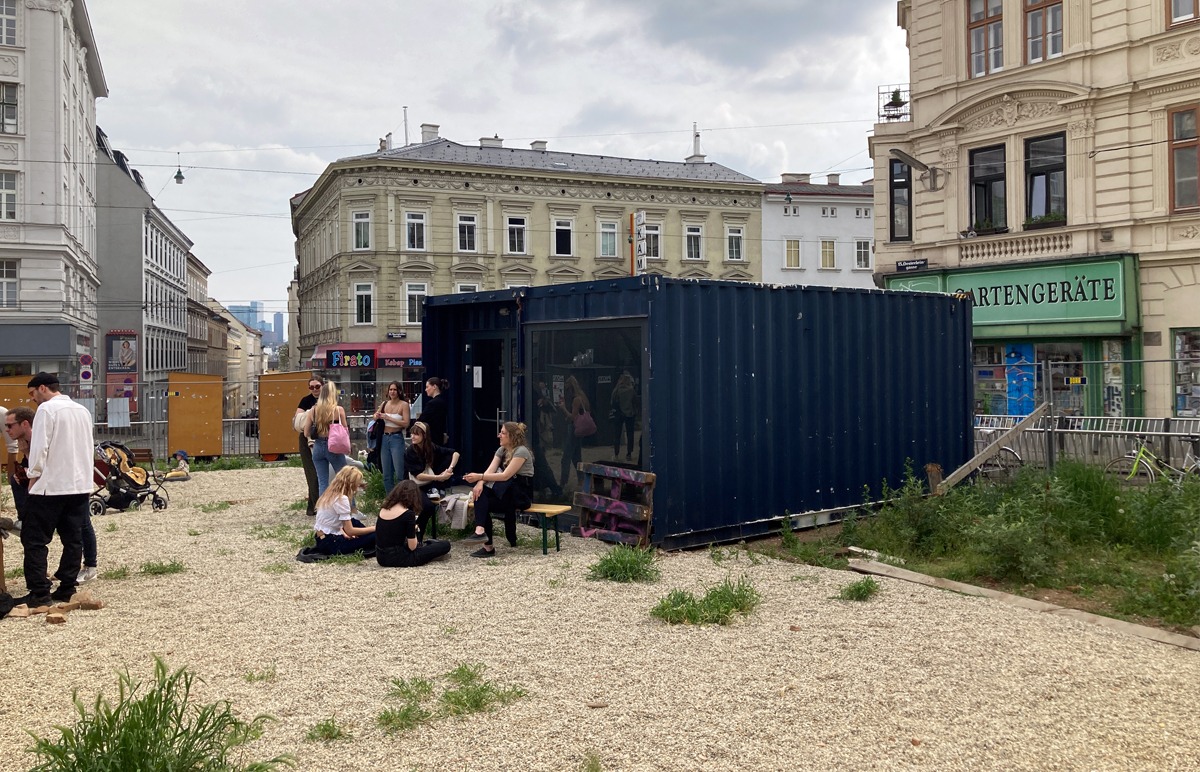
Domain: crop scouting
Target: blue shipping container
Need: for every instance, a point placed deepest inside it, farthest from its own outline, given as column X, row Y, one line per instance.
column 748, row 402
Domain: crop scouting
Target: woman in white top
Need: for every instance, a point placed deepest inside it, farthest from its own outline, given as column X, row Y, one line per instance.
column 338, row 531
column 324, row 414
column 394, row 413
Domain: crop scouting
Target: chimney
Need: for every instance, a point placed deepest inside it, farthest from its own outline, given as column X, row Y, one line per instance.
column 696, row 157
column 538, row 144
column 382, row 144
column 429, row 132
column 833, row 179
column 793, row 177
column 494, row 141
column 389, row 140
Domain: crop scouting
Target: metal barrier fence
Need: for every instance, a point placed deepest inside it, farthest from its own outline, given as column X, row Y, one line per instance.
column 1089, row 440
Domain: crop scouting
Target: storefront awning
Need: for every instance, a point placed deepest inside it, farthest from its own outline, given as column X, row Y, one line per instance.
column 389, row 354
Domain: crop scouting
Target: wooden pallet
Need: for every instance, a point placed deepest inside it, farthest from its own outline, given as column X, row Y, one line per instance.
column 616, row 504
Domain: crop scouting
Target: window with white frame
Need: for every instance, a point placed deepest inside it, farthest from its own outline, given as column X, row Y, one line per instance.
column 462, row 287
column 829, row 211
column 8, row 22
column 653, row 241
column 466, row 233
column 608, row 239
column 563, row 237
column 862, row 254
column 8, row 283
column 1043, row 30
column 364, row 296
column 8, row 195
column 862, row 212
column 733, row 242
column 791, row 253
column 828, row 253
column 8, row 108
column 362, row 229
column 414, row 230
column 693, row 238
column 516, row 235
column 415, row 292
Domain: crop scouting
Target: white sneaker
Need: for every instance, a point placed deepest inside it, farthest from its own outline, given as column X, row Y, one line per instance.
column 87, row 574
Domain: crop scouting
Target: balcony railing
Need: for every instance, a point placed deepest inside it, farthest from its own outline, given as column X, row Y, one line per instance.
column 894, row 103
column 1015, row 247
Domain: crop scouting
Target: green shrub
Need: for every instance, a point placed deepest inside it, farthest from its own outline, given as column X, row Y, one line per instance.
column 371, row 499
column 474, row 695
column 864, row 589
column 623, row 563
column 326, row 731
column 403, row 718
column 160, row 729
column 120, row 572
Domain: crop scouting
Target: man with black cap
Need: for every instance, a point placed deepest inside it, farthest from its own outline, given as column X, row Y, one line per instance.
column 60, row 481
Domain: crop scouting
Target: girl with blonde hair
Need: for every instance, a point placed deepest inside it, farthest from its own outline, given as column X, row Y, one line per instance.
column 338, row 531
column 506, row 488
column 324, row 414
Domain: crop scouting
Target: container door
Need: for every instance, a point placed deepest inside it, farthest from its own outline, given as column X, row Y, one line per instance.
column 488, row 397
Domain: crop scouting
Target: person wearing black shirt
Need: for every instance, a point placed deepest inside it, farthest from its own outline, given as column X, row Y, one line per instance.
column 435, row 409
column 310, row 470
column 396, row 535
column 430, row 466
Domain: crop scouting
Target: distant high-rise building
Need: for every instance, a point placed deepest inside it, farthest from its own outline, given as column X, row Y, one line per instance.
column 280, row 330
column 248, row 314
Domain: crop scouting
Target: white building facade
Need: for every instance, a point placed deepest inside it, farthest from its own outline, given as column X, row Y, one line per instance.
column 818, row 234
column 50, row 78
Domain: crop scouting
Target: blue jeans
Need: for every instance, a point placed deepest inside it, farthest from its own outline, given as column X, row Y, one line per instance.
column 391, row 453
column 324, row 461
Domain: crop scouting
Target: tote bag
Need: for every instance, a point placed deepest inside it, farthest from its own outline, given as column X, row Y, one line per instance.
column 339, row 439
column 585, row 425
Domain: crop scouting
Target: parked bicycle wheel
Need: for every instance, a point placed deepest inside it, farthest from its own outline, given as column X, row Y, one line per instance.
column 1002, row 466
column 1130, row 470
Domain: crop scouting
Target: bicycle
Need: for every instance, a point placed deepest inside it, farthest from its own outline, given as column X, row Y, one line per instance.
column 1003, row 465
column 1143, row 466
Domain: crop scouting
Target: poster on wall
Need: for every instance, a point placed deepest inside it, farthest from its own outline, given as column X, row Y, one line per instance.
column 121, row 349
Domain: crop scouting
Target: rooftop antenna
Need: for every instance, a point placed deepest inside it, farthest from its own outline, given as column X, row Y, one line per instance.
column 406, row 125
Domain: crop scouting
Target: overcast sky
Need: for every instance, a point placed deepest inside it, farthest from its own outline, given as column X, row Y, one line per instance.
column 258, row 97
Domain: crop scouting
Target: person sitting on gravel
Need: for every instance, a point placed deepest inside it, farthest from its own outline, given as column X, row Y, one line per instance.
column 397, row 542
column 338, row 531
column 181, row 471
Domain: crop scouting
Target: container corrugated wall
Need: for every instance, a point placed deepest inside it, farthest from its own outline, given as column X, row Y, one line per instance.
column 772, row 400
column 765, row 400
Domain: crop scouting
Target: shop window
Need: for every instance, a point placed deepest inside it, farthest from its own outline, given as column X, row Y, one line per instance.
column 1046, row 181
column 1187, row 372
column 1043, row 30
column 900, row 201
column 988, row 205
column 985, row 34
column 1185, row 159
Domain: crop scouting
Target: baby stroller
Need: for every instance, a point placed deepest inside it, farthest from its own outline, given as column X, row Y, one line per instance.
column 121, row 484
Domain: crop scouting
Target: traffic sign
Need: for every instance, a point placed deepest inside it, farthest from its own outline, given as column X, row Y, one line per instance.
column 85, row 374
column 86, row 360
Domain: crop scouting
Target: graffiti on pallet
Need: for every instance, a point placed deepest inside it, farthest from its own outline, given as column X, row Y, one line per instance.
column 616, row 504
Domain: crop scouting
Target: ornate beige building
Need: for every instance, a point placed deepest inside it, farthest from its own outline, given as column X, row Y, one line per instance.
column 1045, row 159
column 378, row 233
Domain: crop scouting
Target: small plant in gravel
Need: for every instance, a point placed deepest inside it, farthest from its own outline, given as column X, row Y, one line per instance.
column 14, row 573
column 158, row 728
column 279, row 567
column 591, row 762
column 327, row 731
column 298, row 506
column 718, row 605
column 353, row 559
column 623, row 563
column 193, row 532
column 155, row 568
column 112, row 527
column 120, row 572
column 474, row 695
column 214, row 506
column 410, row 689
column 258, row 676
column 403, row 718
column 228, row 462
column 289, row 534
column 864, row 589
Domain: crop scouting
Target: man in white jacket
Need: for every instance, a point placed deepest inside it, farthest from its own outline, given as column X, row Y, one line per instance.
column 60, row 481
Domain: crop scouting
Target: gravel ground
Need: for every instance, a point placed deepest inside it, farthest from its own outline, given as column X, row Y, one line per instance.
column 915, row 678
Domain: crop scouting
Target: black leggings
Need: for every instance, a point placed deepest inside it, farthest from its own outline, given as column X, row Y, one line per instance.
column 504, row 498
column 395, row 557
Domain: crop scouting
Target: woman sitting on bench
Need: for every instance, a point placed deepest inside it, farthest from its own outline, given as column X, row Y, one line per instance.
column 427, row 464
column 505, row 488
column 338, row 531
column 397, row 542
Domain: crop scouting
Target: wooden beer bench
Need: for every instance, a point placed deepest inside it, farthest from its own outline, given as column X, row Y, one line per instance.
column 544, row 512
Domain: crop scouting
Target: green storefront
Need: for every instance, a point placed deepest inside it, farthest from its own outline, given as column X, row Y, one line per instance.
column 1073, row 322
